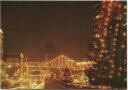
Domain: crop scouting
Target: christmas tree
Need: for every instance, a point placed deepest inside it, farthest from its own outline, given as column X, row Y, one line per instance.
column 110, row 45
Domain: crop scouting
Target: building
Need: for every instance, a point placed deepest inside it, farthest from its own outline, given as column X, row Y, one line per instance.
column 20, row 67
column 60, row 62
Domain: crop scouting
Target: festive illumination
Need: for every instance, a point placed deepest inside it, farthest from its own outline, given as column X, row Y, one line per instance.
column 123, row 46
column 124, row 34
column 110, row 58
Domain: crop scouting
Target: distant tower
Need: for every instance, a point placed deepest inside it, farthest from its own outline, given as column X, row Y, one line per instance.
column 21, row 66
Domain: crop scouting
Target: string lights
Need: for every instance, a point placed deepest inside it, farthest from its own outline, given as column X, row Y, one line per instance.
column 110, row 44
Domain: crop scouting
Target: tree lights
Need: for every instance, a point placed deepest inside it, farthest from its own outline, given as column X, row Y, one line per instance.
column 110, row 36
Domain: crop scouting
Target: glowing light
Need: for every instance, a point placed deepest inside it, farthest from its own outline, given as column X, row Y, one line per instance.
column 110, row 76
column 93, row 79
column 102, row 51
column 115, row 39
column 120, row 68
column 97, row 35
column 95, row 46
column 114, row 49
column 125, row 7
column 123, row 46
column 105, row 67
column 114, row 44
column 111, row 61
column 103, row 45
column 106, row 51
column 100, row 55
column 112, row 66
column 106, row 19
column 116, row 30
column 124, row 34
column 109, row 9
column 98, row 16
column 1, row 31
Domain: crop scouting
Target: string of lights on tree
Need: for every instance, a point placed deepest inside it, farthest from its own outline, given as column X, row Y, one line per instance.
column 110, row 45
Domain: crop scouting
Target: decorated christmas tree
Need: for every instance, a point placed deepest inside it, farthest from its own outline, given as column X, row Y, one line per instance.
column 110, row 45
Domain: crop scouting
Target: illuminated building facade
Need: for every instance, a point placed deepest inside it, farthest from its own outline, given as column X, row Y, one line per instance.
column 18, row 66
column 60, row 62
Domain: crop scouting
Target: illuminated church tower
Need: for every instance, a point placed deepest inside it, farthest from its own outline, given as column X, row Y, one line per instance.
column 21, row 65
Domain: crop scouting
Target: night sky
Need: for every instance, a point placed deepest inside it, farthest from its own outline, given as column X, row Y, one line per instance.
column 28, row 26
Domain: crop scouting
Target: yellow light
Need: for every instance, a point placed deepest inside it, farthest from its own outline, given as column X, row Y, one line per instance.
column 109, row 9
column 98, row 16
column 123, row 46
column 115, row 39
column 125, row 7
column 114, row 49
column 110, row 4
column 97, row 35
column 95, row 46
column 106, row 51
column 100, row 55
column 120, row 68
column 116, row 30
column 102, row 51
column 111, row 61
column 112, row 66
column 105, row 67
column 114, row 44
column 124, row 34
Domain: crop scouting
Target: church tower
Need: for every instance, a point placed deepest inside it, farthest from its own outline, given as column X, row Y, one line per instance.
column 21, row 66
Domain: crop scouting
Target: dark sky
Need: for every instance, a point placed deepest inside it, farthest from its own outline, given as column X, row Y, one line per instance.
column 28, row 26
